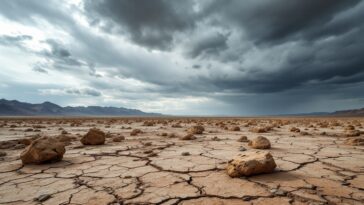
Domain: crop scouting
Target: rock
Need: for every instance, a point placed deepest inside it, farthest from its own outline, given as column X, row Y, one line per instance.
column 353, row 133
column 198, row 129
column 25, row 141
column 278, row 192
column 258, row 129
column 357, row 141
column 242, row 149
column 94, row 137
column 65, row 139
column 215, row 139
column 185, row 153
column 294, row 129
column 135, row 132
column 118, row 139
column 243, row 139
column 260, row 143
column 188, row 137
column 2, row 154
column 43, row 150
column 251, row 163
column 236, row 128
column 43, row 197
column 147, row 144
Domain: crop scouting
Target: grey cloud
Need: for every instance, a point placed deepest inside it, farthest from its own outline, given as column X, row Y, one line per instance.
column 84, row 91
column 149, row 23
column 14, row 40
column 40, row 67
column 207, row 45
column 257, row 51
column 271, row 21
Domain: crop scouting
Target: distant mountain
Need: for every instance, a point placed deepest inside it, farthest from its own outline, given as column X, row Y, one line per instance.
column 16, row 108
column 354, row 112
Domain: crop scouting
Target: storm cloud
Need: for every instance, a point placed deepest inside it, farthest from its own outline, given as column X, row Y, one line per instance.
column 188, row 57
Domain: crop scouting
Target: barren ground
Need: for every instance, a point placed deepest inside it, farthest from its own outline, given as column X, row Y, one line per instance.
column 314, row 166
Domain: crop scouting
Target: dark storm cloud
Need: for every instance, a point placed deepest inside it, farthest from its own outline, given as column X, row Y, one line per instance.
column 270, row 21
column 208, row 45
column 257, row 51
column 148, row 23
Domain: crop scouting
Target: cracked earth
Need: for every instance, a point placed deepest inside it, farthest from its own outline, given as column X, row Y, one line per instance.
column 315, row 162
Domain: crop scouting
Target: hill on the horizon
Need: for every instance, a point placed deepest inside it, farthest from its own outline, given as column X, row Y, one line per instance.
column 16, row 108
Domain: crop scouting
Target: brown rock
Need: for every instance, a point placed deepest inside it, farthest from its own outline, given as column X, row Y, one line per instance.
column 188, row 137
column 93, row 137
column 236, row 128
column 353, row 133
column 43, row 150
column 259, row 143
column 251, row 163
column 2, row 154
column 118, row 139
column 358, row 141
column 135, row 132
column 243, row 139
column 198, row 129
column 294, row 129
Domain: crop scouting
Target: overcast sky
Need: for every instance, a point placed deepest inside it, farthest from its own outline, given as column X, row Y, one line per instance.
column 190, row 57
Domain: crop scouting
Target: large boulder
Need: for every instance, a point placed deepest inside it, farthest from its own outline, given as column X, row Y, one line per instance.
column 43, row 150
column 259, row 143
column 251, row 163
column 93, row 137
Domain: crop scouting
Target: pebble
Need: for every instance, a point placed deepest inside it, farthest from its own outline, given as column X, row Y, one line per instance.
column 43, row 197
column 185, row 154
column 2, row 154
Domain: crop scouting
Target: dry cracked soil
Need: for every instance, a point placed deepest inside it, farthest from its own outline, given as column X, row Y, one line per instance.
column 144, row 161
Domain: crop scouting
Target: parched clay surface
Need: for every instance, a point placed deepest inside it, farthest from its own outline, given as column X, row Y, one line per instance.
column 314, row 164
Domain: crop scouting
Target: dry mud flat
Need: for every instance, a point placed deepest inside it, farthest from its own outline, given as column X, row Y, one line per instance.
column 153, row 161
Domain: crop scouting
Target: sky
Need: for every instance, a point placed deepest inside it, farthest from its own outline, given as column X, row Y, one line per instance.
column 190, row 57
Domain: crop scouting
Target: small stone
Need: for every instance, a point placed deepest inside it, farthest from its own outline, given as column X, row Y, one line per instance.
column 43, row 197
column 246, row 198
column 118, row 139
column 2, row 154
column 188, row 137
column 215, row 139
column 260, row 143
column 148, row 144
column 243, row 139
column 310, row 186
column 242, row 149
column 198, row 129
column 185, row 154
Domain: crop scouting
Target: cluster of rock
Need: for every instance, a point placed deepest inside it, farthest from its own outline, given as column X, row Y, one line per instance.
column 48, row 149
column 252, row 162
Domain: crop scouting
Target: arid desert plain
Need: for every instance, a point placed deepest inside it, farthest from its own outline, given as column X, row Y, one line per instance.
column 166, row 160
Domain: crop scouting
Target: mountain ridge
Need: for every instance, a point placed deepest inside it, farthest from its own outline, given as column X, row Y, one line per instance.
column 17, row 108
